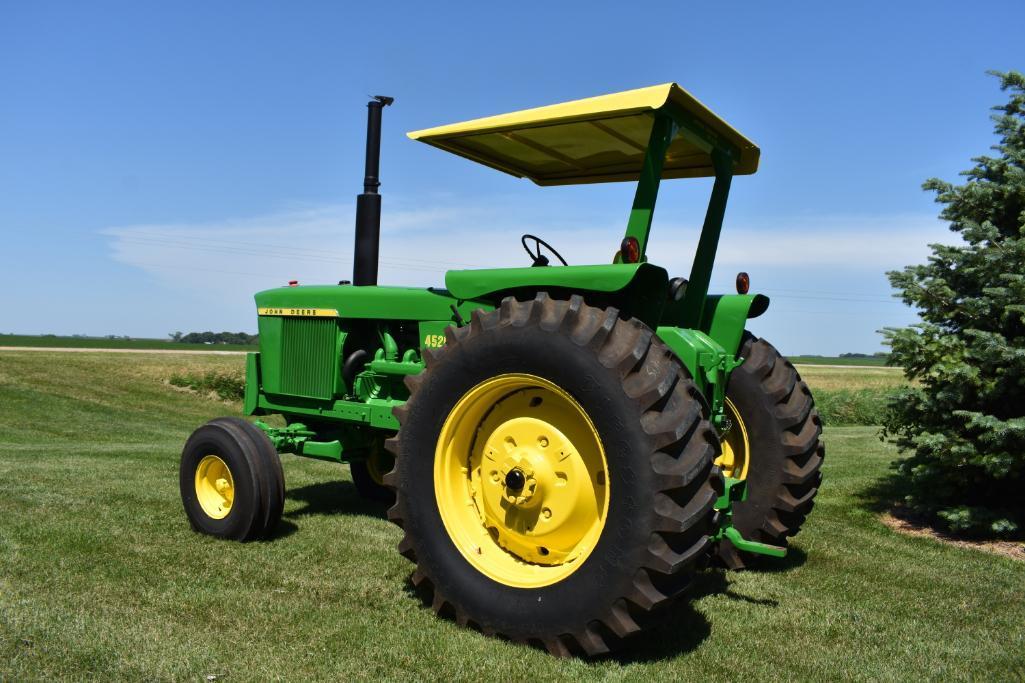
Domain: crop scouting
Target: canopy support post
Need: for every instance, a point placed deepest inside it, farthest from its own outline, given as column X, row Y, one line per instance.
column 704, row 257
column 662, row 131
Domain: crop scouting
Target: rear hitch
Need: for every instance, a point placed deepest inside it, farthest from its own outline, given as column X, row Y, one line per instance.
column 735, row 490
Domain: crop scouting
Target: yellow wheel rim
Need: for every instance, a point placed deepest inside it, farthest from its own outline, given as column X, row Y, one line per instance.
column 215, row 488
column 521, row 480
column 736, row 448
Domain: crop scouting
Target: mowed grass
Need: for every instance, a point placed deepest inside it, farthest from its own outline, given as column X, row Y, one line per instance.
column 101, row 577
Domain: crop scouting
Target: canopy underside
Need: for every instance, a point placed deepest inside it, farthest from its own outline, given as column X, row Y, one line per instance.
column 599, row 139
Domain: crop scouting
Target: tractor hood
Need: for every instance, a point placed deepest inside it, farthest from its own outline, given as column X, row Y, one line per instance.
column 347, row 301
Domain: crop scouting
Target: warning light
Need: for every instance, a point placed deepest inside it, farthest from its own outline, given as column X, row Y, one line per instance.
column 630, row 250
column 743, row 283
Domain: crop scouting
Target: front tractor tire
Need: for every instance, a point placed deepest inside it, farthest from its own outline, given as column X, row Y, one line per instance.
column 231, row 481
column 554, row 476
column 773, row 440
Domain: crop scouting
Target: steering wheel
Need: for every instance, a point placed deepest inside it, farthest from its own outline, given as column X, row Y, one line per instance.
column 536, row 256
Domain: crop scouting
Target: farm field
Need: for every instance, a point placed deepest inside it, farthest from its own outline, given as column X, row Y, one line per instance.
column 54, row 341
column 879, row 361
column 100, row 575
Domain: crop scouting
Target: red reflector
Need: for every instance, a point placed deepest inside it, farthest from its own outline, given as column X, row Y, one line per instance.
column 293, row 283
column 630, row 250
column 743, row 283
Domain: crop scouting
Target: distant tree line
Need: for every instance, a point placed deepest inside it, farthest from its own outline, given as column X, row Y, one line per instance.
column 240, row 338
column 877, row 354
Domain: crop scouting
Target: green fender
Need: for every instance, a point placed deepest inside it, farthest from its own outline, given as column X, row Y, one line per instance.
column 485, row 283
column 641, row 287
column 710, row 353
column 726, row 315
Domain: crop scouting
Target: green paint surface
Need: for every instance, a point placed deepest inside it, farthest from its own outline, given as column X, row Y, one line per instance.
column 472, row 284
column 374, row 303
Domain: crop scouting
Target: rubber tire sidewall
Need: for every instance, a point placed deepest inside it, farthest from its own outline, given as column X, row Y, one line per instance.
column 246, row 506
column 608, row 570
column 765, row 453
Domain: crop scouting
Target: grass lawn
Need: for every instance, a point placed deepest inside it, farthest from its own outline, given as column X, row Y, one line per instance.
column 100, row 576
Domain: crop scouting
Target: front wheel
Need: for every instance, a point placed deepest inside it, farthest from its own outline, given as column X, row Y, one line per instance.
column 554, row 476
column 231, row 481
column 771, row 440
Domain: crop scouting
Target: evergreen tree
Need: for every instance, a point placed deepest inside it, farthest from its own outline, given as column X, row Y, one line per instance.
column 961, row 426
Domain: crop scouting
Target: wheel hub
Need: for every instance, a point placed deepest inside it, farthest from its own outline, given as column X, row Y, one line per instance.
column 536, row 506
column 530, row 470
column 515, row 480
column 215, row 488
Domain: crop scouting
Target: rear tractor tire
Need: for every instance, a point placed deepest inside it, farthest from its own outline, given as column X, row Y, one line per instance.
column 773, row 441
column 553, row 476
column 231, row 481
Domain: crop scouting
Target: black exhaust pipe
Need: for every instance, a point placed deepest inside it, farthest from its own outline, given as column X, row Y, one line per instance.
column 368, row 204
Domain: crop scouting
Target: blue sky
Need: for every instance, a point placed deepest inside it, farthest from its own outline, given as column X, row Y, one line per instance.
column 160, row 162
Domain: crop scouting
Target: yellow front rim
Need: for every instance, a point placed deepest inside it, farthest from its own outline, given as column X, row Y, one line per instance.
column 521, row 480
column 215, row 488
column 736, row 448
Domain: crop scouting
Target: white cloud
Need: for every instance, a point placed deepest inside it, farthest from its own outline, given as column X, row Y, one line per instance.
column 418, row 246
column 879, row 242
column 211, row 270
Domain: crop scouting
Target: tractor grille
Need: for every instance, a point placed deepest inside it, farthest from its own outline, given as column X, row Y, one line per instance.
column 308, row 358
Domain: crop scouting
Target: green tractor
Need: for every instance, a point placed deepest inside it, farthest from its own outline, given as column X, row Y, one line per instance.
column 564, row 447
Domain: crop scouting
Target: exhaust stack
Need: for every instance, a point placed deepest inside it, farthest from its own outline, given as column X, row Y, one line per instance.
column 368, row 204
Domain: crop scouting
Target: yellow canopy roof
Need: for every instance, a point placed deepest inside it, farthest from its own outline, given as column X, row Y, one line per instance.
column 596, row 140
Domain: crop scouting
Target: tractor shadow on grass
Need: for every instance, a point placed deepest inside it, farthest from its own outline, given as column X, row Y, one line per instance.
column 686, row 628
column 682, row 631
column 333, row 498
column 794, row 558
column 283, row 529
